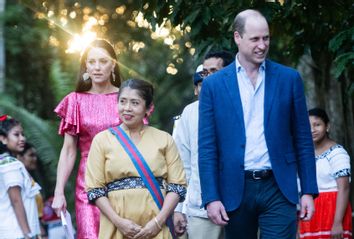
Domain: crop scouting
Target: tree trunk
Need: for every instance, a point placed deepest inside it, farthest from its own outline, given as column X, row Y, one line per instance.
column 2, row 49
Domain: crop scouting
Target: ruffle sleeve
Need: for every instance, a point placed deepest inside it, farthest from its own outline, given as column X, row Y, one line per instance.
column 68, row 111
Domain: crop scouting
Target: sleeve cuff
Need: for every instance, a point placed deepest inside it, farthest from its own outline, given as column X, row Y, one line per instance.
column 179, row 189
column 96, row 193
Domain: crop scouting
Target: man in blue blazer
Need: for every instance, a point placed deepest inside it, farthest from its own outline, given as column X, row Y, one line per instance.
column 254, row 140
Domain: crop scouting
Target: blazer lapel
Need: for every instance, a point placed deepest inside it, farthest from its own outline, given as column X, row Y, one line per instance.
column 231, row 83
column 271, row 84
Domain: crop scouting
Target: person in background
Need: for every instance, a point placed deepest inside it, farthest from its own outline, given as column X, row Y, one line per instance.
column 84, row 113
column 254, row 139
column 216, row 60
column 128, row 209
column 332, row 218
column 29, row 158
column 18, row 208
column 185, row 135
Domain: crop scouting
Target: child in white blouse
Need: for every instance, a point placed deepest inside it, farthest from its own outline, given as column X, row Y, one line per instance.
column 332, row 218
column 18, row 209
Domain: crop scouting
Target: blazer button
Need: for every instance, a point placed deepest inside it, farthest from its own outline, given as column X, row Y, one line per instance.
column 243, row 146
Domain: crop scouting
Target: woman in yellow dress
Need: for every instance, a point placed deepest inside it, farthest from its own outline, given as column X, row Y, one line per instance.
column 128, row 210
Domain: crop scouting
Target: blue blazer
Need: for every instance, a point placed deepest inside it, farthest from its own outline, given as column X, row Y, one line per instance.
column 222, row 135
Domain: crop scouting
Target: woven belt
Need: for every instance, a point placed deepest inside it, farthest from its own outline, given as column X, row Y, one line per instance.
column 258, row 174
column 131, row 182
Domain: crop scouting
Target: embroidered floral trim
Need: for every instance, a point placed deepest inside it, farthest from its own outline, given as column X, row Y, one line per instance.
column 96, row 193
column 6, row 158
column 342, row 173
column 131, row 182
column 134, row 182
column 328, row 151
column 179, row 189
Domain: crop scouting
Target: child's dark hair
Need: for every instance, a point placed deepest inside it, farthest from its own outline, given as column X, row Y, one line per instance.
column 3, row 148
column 321, row 113
column 6, row 124
column 144, row 88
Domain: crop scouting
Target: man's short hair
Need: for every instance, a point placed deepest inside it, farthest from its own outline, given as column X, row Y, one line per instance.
column 226, row 57
column 240, row 20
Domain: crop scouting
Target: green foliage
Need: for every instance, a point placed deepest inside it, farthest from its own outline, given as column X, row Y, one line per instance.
column 343, row 45
column 61, row 81
column 343, row 62
column 28, row 58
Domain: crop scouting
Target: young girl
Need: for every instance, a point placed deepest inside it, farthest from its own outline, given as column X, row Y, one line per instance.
column 332, row 218
column 18, row 209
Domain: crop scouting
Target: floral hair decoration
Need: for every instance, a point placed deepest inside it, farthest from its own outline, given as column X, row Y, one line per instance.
column 4, row 117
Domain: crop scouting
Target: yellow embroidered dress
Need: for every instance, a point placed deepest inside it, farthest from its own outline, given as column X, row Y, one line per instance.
column 108, row 162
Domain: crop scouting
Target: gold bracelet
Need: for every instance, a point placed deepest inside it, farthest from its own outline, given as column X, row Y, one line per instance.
column 157, row 223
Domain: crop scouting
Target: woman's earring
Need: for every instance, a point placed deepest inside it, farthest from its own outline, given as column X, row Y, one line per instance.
column 85, row 76
column 113, row 77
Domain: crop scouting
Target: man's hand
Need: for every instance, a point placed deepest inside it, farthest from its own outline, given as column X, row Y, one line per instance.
column 307, row 207
column 217, row 213
column 180, row 223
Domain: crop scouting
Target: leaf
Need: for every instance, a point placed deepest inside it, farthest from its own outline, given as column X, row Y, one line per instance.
column 206, row 16
column 61, row 81
column 342, row 62
column 337, row 42
column 191, row 17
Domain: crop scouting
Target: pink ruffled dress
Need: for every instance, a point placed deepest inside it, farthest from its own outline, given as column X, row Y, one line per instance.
column 84, row 115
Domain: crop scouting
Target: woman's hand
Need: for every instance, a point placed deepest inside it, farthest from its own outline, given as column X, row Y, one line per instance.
column 337, row 231
column 128, row 228
column 59, row 204
column 150, row 230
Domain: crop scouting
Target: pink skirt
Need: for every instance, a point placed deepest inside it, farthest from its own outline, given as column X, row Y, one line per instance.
column 319, row 227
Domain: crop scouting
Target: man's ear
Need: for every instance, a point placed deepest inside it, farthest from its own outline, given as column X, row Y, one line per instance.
column 237, row 37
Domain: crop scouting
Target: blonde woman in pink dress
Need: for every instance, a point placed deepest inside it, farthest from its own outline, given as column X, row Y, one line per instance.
column 90, row 109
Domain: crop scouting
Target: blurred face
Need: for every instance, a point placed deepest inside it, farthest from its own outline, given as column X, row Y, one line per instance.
column 318, row 129
column 29, row 159
column 253, row 45
column 15, row 140
column 131, row 108
column 99, row 65
column 212, row 65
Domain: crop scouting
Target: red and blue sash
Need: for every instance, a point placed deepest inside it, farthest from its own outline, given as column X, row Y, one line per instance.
column 143, row 169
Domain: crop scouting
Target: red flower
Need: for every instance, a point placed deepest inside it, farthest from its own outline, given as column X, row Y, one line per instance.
column 3, row 117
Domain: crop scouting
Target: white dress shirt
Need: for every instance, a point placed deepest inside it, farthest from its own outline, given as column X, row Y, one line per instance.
column 252, row 98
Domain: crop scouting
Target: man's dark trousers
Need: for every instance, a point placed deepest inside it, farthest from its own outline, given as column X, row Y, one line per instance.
column 263, row 206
